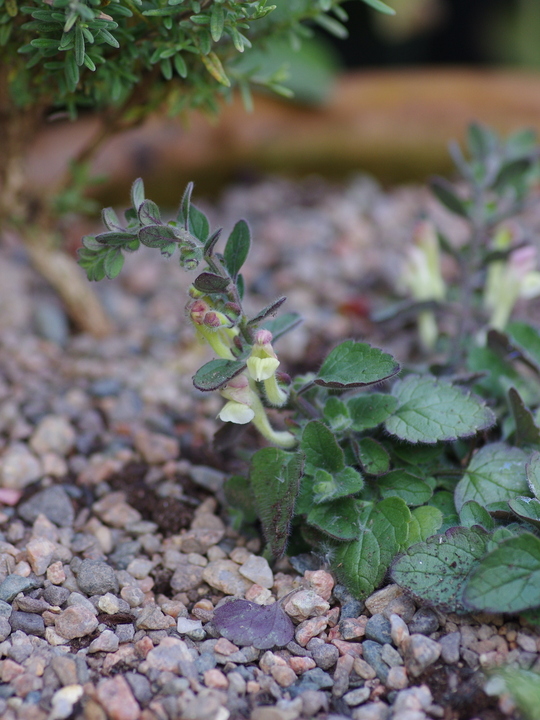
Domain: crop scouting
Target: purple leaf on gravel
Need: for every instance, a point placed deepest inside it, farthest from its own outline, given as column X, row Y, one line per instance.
column 246, row 623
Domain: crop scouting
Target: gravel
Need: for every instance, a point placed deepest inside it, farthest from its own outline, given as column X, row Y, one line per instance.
column 114, row 552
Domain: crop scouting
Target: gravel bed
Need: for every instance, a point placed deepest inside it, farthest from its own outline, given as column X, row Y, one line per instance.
column 115, row 548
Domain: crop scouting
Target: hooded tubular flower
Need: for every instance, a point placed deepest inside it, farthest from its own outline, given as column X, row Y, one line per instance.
column 508, row 281
column 241, row 397
column 262, row 363
column 423, row 278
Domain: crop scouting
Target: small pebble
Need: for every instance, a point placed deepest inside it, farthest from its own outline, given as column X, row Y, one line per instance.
column 75, row 622
column 425, row 621
column 257, row 570
column 53, row 502
column 325, row 655
column 373, row 655
column 95, row 577
column 378, row 628
column 450, row 647
column 108, row 641
column 357, row 697
column 29, row 623
column 377, row 602
column 420, row 653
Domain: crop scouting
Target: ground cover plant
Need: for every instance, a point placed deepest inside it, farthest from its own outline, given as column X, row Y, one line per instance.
column 432, row 476
column 123, row 60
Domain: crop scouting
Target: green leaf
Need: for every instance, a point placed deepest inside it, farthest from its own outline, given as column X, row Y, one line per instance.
column 444, row 501
column 380, row 6
column 115, row 239
column 336, row 414
column 321, row 448
column 444, row 192
column 400, row 483
column 149, row 213
column 472, row 513
column 182, row 215
column 327, row 487
column 339, row 518
column 527, row 432
column 270, row 309
column 512, row 172
column 213, row 64
column 355, row 364
column 159, row 236
column 198, row 223
column 180, row 65
column 508, row 579
column 481, row 140
column 435, row 570
column 211, row 241
column 373, row 457
column 368, row 411
column 208, row 282
column 237, row 491
column 495, row 475
column 275, row 482
column 79, row 46
column 362, row 564
column 430, row 410
column 114, row 261
column 217, row 20
column 527, row 509
column 533, row 474
column 216, row 373
column 527, row 339
column 110, row 220
column 237, row 248
column 425, row 522
column 282, row 324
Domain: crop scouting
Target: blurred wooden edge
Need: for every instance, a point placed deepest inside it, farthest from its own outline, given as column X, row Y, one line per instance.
column 394, row 124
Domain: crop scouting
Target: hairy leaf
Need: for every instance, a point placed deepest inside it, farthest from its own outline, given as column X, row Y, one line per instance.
column 533, row 474
column 336, row 414
column 270, row 309
column 373, row 456
column 527, row 432
column 431, row 410
column 435, row 570
column 400, row 483
column 321, row 448
column 246, row 623
column 425, row 522
column 355, row 364
column 198, row 223
column 527, row 509
column 495, row 475
column 237, row 248
column 216, row 373
column 208, row 282
column 275, row 481
column 362, row 564
column 472, row 513
column 344, row 483
column 338, row 518
column 369, row 410
column 508, row 579
column 444, row 192
column 149, row 213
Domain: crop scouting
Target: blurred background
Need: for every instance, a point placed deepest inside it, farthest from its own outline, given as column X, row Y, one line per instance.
column 385, row 100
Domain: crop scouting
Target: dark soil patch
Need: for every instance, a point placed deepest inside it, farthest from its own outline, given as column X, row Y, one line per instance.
column 459, row 691
column 170, row 514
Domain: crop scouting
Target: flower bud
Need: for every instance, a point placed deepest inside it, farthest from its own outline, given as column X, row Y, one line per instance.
column 263, row 362
column 197, row 311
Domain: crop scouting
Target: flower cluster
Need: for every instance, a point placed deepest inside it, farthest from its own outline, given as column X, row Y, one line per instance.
column 246, row 391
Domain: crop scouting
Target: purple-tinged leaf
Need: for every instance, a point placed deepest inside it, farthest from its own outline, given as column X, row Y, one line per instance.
column 246, row 623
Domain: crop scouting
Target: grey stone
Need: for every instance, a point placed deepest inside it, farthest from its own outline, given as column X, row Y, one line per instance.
column 325, row 655
column 53, row 502
column 54, row 433
column 420, row 653
column 357, row 696
column 351, row 609
column 125, row 632
column 19, row 467
column 95, row 577
column 258, row 570
column 450, row 647
column 140, row 687
column 372, row 711
column 186, row 577
column 318, row 677
column 205, row 661
column 425, row 621
column 5, row 628
column 391, row 656
column 378, row 628
column 75, row 622
column 403, row 606
column 29, row 623
column 207, row 477
column 56, row 595
column 373, row 656
column 13, row 585
column 106, row 642
column 224, row 576
column 342, row 674
column 5, row 609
